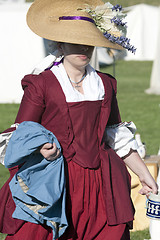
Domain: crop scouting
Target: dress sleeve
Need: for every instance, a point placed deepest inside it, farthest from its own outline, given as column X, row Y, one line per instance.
column 120, row 137
column 31, row 108
column 33, row 102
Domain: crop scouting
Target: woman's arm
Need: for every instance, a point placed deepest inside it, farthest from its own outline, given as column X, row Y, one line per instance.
column 137, row 165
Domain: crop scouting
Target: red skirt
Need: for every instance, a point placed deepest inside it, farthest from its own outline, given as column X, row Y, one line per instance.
column 86, row 211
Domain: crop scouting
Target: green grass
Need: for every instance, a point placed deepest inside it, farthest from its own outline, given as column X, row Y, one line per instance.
column 140, row 235
column 132, row 79
column 2, row 236
column 8, row 114
column 4, row 174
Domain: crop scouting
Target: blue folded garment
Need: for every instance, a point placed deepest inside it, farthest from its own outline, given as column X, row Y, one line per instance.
column 38, row 188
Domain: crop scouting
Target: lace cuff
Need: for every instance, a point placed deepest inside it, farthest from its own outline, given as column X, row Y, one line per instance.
column 4, row 140
column 120, row 137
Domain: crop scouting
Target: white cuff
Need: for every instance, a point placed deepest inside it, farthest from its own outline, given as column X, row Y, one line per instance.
column 120, row 137
column 4, row 140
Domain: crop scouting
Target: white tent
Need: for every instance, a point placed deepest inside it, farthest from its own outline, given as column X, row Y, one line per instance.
column 20, row 50
column 143, row 24
column 155, row 75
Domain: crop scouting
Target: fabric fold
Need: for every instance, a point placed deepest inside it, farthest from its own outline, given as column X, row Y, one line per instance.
column 38, row 188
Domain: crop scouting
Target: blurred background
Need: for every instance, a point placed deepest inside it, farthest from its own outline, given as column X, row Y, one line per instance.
column 138, row 75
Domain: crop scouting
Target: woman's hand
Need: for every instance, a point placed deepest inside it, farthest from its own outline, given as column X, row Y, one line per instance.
column 50, row 151
column 148, row 185
column 137, row 165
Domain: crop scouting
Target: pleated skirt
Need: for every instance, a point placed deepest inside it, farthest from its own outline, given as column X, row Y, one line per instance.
column 86, row 211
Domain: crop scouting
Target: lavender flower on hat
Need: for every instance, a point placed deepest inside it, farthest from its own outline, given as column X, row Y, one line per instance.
column 118, row 21
column 123, row 41
column 117, row 7
column 109, row 20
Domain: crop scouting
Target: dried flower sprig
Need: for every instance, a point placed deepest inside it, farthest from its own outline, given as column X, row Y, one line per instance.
column 118, row 22
column 117, row 7
column 123, row 41
column 109, row 20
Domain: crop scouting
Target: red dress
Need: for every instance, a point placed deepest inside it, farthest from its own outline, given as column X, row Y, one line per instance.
column 98, row 184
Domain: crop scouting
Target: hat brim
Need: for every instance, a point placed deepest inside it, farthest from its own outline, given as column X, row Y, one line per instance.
column 43, row 19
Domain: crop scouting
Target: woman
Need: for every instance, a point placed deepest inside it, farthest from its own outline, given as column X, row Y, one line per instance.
column 79, row 106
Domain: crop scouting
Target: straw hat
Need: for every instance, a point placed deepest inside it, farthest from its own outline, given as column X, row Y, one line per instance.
column 44, row 19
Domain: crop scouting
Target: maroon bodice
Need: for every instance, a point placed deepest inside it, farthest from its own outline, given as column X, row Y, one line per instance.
column 85, row 121
column 80, row 127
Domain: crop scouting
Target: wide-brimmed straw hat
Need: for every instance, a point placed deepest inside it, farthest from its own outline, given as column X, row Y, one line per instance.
column 67, row 21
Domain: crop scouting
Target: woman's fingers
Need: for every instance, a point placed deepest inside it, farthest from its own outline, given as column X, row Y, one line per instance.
column 145, row 190
column 53, row 152
column 50, row 151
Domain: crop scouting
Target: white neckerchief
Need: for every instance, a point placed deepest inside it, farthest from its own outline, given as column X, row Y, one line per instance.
column 92, row 85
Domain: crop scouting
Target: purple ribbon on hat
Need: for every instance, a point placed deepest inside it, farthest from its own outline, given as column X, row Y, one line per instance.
column 76, row 18
column 124, row 42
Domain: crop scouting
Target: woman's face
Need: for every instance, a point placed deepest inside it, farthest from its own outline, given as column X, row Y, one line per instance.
column 75, row 54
